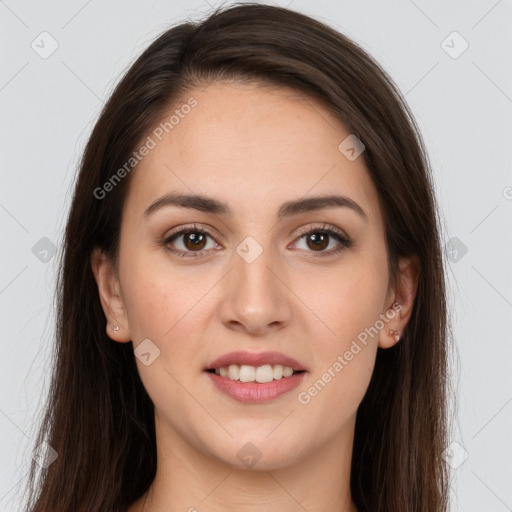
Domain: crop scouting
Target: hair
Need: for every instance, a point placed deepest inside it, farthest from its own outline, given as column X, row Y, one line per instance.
column 98, row 416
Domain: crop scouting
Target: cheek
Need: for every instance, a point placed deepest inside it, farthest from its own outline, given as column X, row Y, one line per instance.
column 158, row 298
column 162, row 306
column 345, row 349
column 347, row 304
column 332, row 396
column 149, row 307
column 343, row 300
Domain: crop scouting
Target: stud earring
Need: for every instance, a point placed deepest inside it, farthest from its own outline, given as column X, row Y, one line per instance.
column 116, row 328
column 395, row 334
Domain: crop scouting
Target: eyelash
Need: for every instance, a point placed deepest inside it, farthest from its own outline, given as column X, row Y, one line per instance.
column 331, row 231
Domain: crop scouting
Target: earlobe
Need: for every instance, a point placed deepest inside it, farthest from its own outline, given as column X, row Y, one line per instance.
column 391, row 333
column 402, row 302
column 110, row 297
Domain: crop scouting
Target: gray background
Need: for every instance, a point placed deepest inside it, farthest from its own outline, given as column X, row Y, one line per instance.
column 463, row 105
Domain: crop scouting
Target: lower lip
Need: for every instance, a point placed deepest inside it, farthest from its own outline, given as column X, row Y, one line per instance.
column 254, row 392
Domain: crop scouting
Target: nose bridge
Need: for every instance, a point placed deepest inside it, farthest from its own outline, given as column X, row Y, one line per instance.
column 256, row 297
column 253, row 264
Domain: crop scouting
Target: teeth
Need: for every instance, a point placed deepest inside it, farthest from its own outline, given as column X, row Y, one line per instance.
column 233, row 372
column 287, row 371
column 264, row 373
column 247, row 373
column 261, row 374
column 278, row 371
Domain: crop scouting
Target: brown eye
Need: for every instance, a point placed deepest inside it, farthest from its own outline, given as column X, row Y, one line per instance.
column 187, row 240
column 194, row 241
column 317, row 241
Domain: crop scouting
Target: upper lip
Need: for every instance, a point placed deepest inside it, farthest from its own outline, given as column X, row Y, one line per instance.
column 254, row 359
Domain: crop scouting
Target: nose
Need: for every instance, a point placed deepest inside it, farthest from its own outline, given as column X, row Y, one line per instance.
column 256, row 298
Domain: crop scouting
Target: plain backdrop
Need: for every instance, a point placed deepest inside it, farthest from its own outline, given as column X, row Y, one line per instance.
column 452, row 61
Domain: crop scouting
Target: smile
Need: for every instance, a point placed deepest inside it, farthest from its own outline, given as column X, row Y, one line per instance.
column 262, row 374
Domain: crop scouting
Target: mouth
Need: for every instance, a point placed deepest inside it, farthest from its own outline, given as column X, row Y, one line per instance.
column 255, row 377
column 257, row 374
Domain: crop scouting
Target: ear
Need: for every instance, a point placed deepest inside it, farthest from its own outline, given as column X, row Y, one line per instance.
column 110, row 296
column 400, row 300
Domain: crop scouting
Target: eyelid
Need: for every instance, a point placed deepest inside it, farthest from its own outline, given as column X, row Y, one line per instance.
column 324, row 227
column 302, row 231
column 210, row 231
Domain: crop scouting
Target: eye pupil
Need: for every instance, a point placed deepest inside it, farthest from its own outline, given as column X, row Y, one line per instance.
column 195, row 238
column 317, row 243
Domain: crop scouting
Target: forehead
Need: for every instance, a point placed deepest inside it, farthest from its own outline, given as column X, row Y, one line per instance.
column 249, row 145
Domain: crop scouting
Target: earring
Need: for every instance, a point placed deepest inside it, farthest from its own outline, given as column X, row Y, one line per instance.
column 116, row 328
column 395, row 334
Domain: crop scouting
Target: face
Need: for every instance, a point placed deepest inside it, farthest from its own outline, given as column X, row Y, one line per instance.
column 250, row 279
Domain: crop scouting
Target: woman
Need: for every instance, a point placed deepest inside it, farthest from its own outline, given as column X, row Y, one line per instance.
column 252, row 310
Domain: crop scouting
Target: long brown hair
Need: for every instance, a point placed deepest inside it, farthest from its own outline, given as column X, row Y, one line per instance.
column 99, row 418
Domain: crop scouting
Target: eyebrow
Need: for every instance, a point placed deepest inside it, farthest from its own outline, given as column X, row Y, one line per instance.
column 214, row 206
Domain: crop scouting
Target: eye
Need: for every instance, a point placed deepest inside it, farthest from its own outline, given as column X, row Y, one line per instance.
column 194, row 241
column 318, row 239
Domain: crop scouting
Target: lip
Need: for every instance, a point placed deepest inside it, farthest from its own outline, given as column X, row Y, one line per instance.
column 255, row 359
column 254, row 392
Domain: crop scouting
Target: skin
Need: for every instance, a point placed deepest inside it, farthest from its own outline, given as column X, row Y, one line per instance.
column 253, row 148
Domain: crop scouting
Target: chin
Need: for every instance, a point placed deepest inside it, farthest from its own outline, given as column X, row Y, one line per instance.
column 259, row 455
